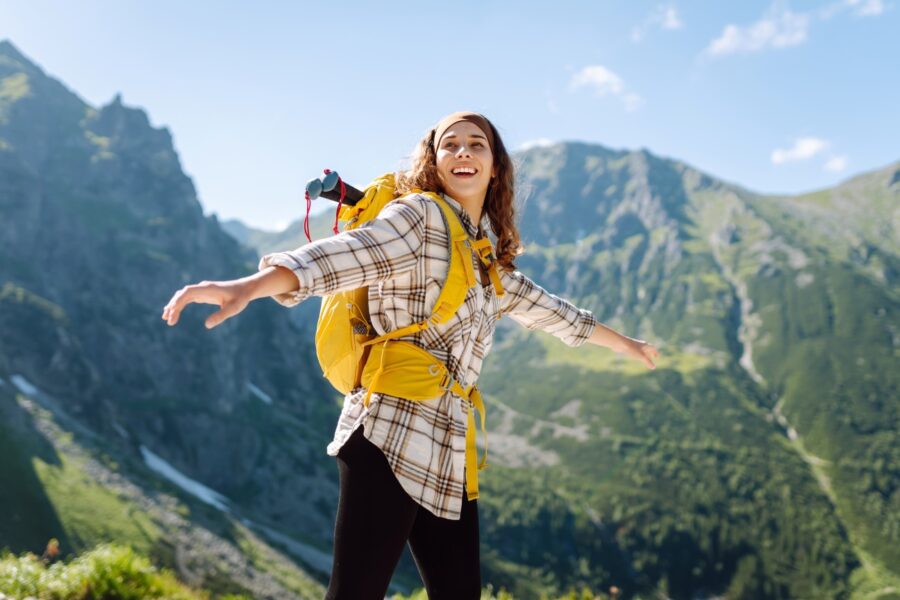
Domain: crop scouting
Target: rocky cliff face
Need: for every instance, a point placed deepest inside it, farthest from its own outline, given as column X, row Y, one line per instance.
column 100, row 226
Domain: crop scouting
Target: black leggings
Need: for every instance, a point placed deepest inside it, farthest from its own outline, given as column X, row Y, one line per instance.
column 376, row 517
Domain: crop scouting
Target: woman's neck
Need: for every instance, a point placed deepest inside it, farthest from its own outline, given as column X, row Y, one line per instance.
column 472, row 206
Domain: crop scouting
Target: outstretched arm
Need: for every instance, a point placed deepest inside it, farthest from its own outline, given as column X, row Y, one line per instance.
column 230, row 296
column 533, row 307
column 381, row 249
column 622, row 344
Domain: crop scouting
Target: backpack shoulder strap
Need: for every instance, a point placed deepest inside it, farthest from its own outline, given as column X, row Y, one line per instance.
column 460, row 275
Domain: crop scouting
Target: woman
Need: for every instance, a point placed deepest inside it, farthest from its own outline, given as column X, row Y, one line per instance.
column 402, row 463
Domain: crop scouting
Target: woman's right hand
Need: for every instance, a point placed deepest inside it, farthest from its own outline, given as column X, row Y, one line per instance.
column 231, row 296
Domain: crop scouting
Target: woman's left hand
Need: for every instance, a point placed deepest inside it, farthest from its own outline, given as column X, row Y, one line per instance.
column 639, row 350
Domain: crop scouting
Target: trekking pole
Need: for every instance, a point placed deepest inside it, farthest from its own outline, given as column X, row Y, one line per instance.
column 330, row 187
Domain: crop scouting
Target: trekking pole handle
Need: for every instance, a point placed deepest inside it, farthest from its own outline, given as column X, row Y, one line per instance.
column 329, row 188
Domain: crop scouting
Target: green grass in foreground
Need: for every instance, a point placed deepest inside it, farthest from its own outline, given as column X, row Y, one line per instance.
column 489, row 594
column 107, row 571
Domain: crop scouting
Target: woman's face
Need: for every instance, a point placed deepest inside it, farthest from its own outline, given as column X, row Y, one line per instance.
column 465, row 163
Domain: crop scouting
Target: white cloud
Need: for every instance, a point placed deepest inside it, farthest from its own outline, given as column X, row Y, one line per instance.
column 869, row 8
column 605, row 82
column 600, row 78
column 664, row 17
column 860, row 8
column 778, row 28
column 836, row 164
column 538, row 143
column 803, row 149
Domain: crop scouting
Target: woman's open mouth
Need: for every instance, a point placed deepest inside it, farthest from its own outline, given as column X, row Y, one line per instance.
column 464, row 172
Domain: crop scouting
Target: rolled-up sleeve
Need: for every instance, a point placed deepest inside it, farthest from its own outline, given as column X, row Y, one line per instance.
column 378, row 250
column 533, row 307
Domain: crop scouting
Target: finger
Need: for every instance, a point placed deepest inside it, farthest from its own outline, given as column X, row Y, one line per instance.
column 167, row 309
column 216, row 319
column 647, row 360
column 227, row 311
column 186, row 295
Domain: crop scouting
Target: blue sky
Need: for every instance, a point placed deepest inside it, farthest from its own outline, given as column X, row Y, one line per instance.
column 779, row 97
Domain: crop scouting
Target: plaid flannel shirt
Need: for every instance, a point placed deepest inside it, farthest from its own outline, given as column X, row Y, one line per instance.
column 403, row 257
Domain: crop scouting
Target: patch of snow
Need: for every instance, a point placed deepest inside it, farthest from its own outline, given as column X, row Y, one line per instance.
column 25, row 386
column 259, row 393
column 192, row 487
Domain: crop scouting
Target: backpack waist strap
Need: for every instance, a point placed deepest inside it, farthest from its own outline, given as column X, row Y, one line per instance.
column 405, row 370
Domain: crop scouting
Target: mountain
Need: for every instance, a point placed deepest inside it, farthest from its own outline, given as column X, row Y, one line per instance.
column 100, row 226
column 320, row 226
column 758, row 460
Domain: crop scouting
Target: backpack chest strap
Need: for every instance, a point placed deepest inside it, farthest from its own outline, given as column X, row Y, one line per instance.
column 485, row 252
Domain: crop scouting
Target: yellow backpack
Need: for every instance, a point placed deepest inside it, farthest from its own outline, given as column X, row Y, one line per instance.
column 350, row 353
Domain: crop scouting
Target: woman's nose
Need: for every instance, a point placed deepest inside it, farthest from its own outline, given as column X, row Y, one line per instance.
column 463, row 151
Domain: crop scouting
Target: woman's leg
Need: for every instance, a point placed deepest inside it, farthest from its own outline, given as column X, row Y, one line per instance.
column 374, row 518
column 447, row 553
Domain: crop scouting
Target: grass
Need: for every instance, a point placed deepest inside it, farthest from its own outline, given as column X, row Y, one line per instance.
column 107, row 571
column 78, row 500
column 15, row 87
column 65, row 501
column 488, row 593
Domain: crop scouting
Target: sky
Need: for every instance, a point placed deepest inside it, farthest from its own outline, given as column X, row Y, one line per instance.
column 780, row 97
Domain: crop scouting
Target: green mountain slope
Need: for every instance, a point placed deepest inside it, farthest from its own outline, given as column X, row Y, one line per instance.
column 759, row 458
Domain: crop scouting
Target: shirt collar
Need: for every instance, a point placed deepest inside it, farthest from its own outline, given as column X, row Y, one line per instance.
column 474, row 230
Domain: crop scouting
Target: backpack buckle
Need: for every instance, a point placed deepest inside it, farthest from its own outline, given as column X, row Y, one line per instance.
column 447, row 382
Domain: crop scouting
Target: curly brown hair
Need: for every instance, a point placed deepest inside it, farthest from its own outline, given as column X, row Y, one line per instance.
column 498, row 203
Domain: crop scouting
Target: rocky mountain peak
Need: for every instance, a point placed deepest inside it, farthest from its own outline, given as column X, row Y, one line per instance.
column 129, row 129
column 10, row 54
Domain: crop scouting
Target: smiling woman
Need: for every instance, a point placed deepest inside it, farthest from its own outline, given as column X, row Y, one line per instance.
column 469, row 141
column 407, row 463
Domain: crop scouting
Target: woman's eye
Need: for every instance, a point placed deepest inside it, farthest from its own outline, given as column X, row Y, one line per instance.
column 479, row 144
